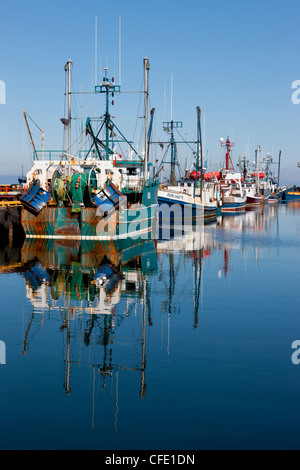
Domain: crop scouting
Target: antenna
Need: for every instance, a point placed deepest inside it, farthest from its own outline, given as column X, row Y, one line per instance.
column 95, row 50
column 171, row 97
column 120, row 50
column 165, row 102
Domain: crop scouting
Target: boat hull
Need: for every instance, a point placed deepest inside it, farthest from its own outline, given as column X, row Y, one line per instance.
column 265, row 195
column 187, row 203
column 88, row 224
column 292, row 196
column 273, row 198
column 233, row 205
column 253, row 201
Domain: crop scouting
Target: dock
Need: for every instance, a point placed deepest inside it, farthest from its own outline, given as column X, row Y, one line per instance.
column 10, row 221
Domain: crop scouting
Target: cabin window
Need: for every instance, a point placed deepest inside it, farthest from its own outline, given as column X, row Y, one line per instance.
column 131, row 171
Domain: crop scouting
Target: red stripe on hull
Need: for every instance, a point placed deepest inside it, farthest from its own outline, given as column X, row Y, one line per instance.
column 253, row 201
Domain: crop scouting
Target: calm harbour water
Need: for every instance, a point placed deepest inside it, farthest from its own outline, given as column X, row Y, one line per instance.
column 185, row 345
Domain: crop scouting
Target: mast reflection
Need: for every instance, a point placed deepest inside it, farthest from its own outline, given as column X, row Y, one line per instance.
column 91, row 291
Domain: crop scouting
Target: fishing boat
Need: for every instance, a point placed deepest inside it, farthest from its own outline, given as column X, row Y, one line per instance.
column 203, row 205
column 196, row 197
column 95, row 193
column 293, row 194
column 265, row 190
column 251, row 185
column 254, row 198
column 233, row 194
column 275, row 192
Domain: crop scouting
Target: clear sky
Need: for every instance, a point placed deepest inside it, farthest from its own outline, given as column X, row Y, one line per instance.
column 235, row 59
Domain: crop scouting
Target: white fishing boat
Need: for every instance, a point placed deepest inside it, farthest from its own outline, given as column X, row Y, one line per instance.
column 205, row 202
column 233, row 195
column 196, row 197
column 254, row 198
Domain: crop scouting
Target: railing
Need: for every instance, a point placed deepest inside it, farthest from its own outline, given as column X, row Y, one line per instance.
column 61, row 155
column 130, row 184
column 137, row 184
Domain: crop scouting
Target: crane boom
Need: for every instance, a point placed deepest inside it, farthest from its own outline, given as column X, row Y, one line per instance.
column 29, row 132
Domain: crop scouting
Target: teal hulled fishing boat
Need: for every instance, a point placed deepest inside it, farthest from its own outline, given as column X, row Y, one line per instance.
column 96, row 193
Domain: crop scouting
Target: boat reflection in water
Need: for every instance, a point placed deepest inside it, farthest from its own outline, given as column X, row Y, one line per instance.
column 182, row 253
column 91, row 287
column 110, row 318
column 247, row 233
column 293, row 204
column 83, row 277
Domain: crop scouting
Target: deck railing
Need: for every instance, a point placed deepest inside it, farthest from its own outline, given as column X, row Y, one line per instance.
column 137, row 184
column 62, row 154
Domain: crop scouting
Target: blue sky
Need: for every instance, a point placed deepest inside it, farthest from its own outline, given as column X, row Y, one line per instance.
column 235, row 59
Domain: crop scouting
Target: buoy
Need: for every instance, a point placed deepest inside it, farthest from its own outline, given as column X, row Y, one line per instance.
column 193, row 175
column 211, row 175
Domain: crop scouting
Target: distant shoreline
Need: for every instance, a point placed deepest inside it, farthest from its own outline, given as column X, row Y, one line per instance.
column 9, row 179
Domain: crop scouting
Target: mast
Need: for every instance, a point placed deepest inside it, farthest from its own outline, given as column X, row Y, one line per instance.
column 68, row 70
column 243, row 162
column 173, row 156
column 199, row 146
column 146, row 91
column 43, row 144
column 228, row 160
column 200, row 143
column 149, row 134
column 143, row 364
column 257, row 169
column 107, row 115
column 268, row 161
column 279, row 168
